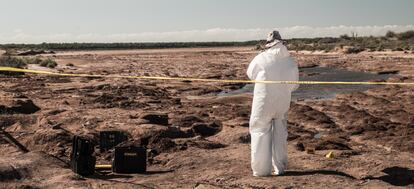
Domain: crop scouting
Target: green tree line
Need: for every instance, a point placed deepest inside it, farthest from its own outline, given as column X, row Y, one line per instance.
column 392, row 40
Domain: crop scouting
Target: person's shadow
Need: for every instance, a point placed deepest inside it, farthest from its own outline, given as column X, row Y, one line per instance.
column 314, row 172
column 397, row 176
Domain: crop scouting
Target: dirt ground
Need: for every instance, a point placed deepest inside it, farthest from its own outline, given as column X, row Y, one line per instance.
column 205, row 143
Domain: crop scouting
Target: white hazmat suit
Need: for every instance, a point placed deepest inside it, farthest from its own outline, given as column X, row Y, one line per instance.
column 271, row 103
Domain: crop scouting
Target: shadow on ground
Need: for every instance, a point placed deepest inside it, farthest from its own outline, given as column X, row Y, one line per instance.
column 315, row 172
column 107, row 175
column 396, row 176
column 9, row 138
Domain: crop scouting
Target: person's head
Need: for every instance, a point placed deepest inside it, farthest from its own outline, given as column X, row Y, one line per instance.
column 273, row 35
column 273, row 38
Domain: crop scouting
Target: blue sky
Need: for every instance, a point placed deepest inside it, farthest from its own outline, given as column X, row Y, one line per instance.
column 35, row 21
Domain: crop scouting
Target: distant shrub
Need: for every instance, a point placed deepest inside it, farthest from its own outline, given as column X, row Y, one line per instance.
column 353, row 50
column 380, row 48
column 10, row 52
column 9, row 61
column 390, row 34
column 35, row 60
column 406, row 35
column 70, row 64
column 17, row 62
column 49, row 63
column 345, row 36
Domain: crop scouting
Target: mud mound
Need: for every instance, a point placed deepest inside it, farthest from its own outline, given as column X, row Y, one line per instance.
column 165, row 140
column 159, row 144
column 295, row 131
column 208, row 145
column 19, row 106
column 55, row 142
column 332, row 143
column 108, row 100
column 46, row 136
column 125, row 96
column 8, row 172
column 155, row 118
column 187, row 121
column 203, row 143
column 160, row 141
column 139, row 90
column 306, row 114
column 399, row 138
column 206, row 130
column 245, row 139
column 57, row 79
column 300, row 146
column 7, row 120
column 238, row 122
column 25, row 106
column 17, row 122
column 360, row 121
column 33, row 83
column 373, row 118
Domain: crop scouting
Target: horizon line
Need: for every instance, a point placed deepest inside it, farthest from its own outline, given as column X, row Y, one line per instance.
column 199, row 36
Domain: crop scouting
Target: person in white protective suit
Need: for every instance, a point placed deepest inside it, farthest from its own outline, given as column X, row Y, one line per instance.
column 271, row 103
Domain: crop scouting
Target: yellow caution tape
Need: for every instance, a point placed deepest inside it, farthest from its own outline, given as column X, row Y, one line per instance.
column 10, row 69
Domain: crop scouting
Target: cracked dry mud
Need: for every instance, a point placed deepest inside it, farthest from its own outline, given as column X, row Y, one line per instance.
column 198, row 139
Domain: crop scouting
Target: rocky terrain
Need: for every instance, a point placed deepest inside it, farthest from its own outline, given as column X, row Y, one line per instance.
column 197, row 138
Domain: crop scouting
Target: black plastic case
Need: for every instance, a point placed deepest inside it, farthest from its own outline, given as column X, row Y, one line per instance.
column 109, row 139
column 130, row 159
column 82, row 159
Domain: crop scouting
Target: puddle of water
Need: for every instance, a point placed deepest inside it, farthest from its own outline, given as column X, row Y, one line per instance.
column 317, row 136
column 321, row 92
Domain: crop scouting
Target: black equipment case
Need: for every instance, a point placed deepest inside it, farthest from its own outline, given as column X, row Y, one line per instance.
column 82, row 160
column 109, row 139
column 129, row 159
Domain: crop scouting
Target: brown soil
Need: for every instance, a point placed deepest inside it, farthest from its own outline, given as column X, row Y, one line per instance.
column 196, row 138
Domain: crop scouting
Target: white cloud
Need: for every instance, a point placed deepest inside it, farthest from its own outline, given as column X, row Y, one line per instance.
column 215, row 34
column 18, row 31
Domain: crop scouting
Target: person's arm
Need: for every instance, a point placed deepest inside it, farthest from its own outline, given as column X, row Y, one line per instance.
column 295, row 74
column 253, row 69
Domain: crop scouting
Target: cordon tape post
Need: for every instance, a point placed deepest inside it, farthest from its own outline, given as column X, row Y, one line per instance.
column 11, row 69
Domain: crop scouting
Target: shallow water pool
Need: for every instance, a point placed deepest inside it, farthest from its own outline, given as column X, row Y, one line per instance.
column 321, row 92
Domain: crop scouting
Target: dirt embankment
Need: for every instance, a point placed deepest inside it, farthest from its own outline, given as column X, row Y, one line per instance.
column 198, row 139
